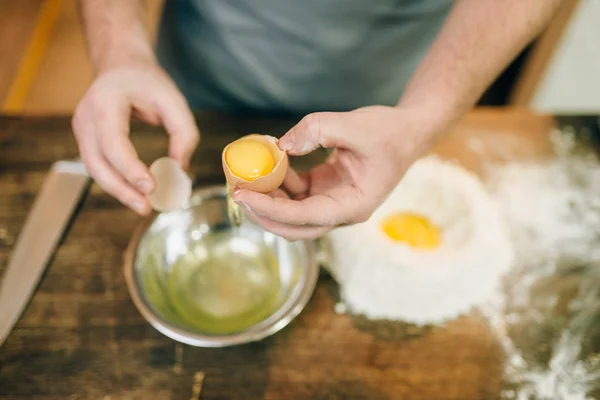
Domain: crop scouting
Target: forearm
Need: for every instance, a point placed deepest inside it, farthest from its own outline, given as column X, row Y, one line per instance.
column 116, row 32
column 479, row 39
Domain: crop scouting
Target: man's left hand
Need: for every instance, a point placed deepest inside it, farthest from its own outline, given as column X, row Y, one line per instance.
column 372, row 149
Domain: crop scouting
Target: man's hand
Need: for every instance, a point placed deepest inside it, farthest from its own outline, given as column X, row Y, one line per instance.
column 129, row 82
column 373, row 147
column 101, row 128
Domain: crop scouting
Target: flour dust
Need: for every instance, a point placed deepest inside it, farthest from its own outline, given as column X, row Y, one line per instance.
column 547, row 315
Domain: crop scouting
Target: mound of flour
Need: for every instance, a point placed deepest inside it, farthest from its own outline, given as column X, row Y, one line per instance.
column 382, row 279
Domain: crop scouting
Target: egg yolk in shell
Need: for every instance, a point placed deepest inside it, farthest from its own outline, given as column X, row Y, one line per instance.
column 415, row 230
column 249, row 159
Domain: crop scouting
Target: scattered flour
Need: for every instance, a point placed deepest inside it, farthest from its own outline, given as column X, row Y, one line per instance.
column 382, row 279
column 340, row 308
column 553, row 214
column 546, row 310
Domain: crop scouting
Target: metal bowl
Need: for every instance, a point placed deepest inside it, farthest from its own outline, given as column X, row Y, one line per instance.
column 202, row 281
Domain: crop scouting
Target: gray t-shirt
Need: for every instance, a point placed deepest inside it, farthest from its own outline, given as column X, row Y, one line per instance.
column 296, row 56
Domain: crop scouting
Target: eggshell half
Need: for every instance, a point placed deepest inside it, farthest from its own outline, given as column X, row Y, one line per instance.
column 173, row 186
column 264, row 184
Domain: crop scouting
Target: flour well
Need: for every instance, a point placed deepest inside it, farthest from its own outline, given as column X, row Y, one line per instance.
column 382, row 279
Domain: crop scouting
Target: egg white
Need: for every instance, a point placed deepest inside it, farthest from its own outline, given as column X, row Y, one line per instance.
column 384, row 279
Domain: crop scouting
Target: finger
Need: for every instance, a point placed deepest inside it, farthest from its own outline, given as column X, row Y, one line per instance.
column 295, row 183
column 289, row 232
column 148, row 117
column 323, row 129
column 278, row 193
column 180, row 124
column 122, row 155
column 112, row 130
column 340, row 205
column 109, row 179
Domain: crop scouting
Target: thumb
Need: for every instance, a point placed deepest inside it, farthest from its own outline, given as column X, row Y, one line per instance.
column 322, row 129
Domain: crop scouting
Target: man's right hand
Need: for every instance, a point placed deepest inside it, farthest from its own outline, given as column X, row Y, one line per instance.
column 101, row 127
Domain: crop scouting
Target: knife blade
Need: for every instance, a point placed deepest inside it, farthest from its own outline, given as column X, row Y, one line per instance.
column 44, row 226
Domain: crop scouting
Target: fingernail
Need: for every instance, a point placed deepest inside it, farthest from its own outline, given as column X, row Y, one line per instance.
column 139, row 207
column 306, row 148
column 286, row 142
column 145, row 186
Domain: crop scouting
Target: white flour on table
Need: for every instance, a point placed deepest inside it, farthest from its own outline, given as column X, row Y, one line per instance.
column 547, row 314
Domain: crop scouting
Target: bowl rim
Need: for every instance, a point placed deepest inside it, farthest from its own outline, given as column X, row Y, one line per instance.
column 284, row 315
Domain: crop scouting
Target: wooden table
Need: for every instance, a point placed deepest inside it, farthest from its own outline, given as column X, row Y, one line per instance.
column 82, row 338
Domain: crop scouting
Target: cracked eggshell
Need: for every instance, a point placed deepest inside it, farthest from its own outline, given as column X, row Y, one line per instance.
column 173, row 186
column 264, row 184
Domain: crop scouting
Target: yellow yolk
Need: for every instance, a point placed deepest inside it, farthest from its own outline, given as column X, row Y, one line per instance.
column 412, row 229
column 249, row 159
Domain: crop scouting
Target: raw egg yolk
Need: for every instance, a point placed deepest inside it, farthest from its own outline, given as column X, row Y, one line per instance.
column 412, row 229
column 249, row 159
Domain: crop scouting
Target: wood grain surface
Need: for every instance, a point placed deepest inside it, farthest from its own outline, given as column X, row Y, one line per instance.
column 82, row 338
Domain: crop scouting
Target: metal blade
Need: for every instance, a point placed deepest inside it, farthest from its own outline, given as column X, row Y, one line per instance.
column 45, row 224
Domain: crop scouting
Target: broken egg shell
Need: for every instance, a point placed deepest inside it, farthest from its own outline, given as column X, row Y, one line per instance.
column 173, row 186
column 263, row 184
